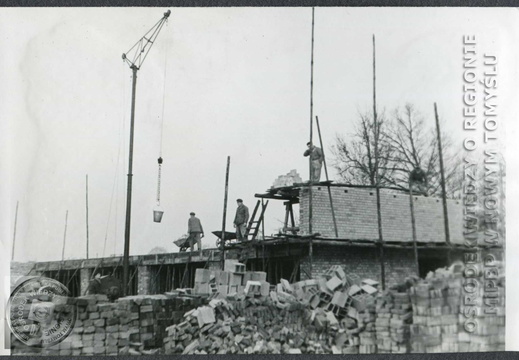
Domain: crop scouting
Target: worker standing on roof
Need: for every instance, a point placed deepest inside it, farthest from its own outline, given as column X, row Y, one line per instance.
column 195, row 231
column 240, row 220
column 317, row 158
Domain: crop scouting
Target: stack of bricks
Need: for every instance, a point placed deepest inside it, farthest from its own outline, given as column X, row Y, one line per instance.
column 233, row 280
column 426, row 329
column 394, row 316
column 24, row 309
column 451, row 314
column 148, row 316
column 487, row 290
column 401, row 318
column 89, row 334
column 368, row 337
column 131, row 325
column 384, row 304
column 436, row 307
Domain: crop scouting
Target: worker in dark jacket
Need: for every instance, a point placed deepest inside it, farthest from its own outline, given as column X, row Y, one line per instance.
column 418, row 181
column 195, row 231
column 316, row 158
column 240, row 220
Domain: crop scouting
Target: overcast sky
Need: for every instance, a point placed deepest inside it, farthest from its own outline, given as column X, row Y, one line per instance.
column 237, row 83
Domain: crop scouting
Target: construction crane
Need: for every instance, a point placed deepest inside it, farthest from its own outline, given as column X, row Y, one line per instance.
column 135, row 58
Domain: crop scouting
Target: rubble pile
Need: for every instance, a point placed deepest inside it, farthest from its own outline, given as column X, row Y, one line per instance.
column 334, row 313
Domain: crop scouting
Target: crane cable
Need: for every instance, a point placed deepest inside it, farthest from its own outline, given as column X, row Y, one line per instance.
column 160, row 160
column 115, row 186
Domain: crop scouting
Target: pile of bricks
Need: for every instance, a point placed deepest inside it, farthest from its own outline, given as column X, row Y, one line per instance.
column 232, row 280
column 287, row 180
column 334, row 313
column 236, row 325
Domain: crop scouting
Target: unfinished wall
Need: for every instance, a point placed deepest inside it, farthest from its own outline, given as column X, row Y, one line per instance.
column 362, row 261
column 356, row 215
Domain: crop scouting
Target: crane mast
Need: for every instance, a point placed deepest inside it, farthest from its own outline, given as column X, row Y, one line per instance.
column 135, row 57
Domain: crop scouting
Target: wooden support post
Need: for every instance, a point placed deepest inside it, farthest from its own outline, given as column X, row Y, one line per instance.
column 87, row 239
column 327, row 179
column 444, row 194
column 263, row 222
column 222, row 245
column 377, row 178
column 292, row 221
column 64, row 237
column 310, row 250
column 413, row 226
column 287, row 214
column 14, row 231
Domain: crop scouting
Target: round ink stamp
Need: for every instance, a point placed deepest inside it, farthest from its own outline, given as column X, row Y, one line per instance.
column 40, row 312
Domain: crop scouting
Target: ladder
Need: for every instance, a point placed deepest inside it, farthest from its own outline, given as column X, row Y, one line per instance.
column 254, row 225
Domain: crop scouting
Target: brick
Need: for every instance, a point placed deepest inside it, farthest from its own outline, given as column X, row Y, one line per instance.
column 112, row 329
column 107, row 314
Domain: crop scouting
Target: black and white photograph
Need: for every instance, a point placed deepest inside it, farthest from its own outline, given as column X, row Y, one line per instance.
column 247, row 180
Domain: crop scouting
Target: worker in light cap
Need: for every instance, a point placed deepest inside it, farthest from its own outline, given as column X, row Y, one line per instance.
column 316, row 158
column 195, row 231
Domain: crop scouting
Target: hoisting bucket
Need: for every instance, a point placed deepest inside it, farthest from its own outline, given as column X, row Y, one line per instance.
column 157, row 215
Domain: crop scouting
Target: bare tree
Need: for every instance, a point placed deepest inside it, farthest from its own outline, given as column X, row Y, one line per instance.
column 405, row 143
column 355, row 159
column 414, row 144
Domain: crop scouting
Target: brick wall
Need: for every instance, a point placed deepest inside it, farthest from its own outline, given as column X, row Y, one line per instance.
column 362, row 261
column 356, row 215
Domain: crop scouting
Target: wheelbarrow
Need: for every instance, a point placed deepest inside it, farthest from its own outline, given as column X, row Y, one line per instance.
column 183, row 243
column 229, row 236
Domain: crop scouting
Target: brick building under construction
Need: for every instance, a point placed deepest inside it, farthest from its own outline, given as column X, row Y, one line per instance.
column 296, row 254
